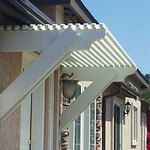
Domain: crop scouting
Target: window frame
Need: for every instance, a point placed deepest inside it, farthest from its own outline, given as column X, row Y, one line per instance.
column 84, row 127
column 134, row 125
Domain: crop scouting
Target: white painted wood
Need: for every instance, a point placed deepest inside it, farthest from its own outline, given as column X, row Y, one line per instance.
column 37, row 130
column 120, row 48
column 82, row 136
column 57, row 41
column 37, row 37
column 134, row 126
column 71, row 136
column 31, row 40
column 51, row 113
column 104, row 50
column 37, row 71
column 86, row 129
column 25, row 122
column 28, row 40
column 102, row 79
column 90, row 73
column 95, row 123
column 86, row 98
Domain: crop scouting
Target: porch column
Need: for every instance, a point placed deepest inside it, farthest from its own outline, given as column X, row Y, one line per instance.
column 56, row 13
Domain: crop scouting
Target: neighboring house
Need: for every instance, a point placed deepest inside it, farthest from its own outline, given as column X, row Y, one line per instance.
column 105, row 123
column 124, row 130
column 37, row 60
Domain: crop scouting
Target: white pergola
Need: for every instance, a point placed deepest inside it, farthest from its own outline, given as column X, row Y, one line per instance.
column 89, row 51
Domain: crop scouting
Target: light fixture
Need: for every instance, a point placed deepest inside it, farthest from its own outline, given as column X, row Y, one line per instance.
column 68, row 85
column 127, row 108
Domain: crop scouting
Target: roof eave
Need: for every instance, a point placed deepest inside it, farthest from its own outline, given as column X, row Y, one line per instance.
column 75, row 5
column 142, row 79
column 23, row 12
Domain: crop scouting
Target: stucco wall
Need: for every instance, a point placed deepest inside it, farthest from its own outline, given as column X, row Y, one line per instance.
column 126, row 125
column 10, row 131
column 127, row 128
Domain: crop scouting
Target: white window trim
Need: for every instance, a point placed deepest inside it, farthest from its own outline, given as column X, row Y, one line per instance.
column 134, row 142
column 85, row 126
column 72, row 134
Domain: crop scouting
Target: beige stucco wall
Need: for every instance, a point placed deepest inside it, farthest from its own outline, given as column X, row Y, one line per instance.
column 126, row 124
column 10, row 131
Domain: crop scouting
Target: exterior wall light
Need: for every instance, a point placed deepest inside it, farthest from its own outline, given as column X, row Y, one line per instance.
column 127, row 108
column 68, row 85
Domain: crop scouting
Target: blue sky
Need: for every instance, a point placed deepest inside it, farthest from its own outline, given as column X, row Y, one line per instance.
column 129, row 21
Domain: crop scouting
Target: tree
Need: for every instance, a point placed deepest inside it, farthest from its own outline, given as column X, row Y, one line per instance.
column 146, row 92
column 147, row 76
column 146, row 95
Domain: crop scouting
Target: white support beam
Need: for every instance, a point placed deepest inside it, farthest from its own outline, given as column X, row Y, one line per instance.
column 37, row 129
column 90, row 73
column 28, row 40
column 37, row 71
column 103, row 79
column 40, row 40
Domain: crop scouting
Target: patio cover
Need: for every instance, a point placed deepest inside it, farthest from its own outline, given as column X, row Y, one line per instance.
column 89, row 51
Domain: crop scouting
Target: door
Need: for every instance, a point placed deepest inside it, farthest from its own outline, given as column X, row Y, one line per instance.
column 117, row 128
column 32, row 120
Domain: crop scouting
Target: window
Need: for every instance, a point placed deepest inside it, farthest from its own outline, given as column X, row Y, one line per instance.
column 77, row 133
column 134, row 126
column 90, row 130
column 83, row 130
column 77, row 130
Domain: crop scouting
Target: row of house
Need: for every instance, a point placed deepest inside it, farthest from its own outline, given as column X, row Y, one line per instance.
column 66, row 82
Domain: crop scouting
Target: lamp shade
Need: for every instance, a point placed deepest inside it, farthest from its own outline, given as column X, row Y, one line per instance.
column 69, row 88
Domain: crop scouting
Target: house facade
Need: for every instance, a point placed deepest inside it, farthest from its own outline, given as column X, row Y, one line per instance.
column 132, row 126
column 34, row 59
